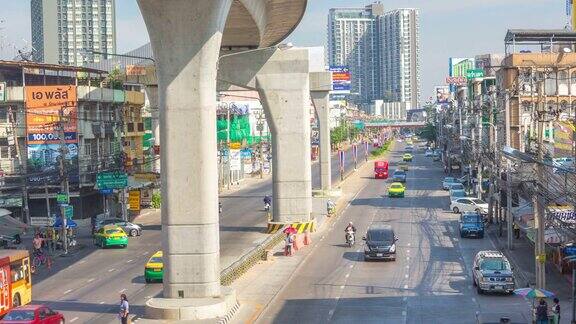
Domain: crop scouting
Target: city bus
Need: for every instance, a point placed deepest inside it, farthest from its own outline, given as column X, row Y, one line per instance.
column 15, row 279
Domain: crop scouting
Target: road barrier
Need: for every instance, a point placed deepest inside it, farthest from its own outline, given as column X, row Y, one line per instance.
column 247, row 261
column 301, row 227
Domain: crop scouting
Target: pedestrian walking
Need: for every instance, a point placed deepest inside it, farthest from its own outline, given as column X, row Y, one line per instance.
column 124, row 309
column 542, row 312
column 516, row 231
column 556, row 311
column 289, row 243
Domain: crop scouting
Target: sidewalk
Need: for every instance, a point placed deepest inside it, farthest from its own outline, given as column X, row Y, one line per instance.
column 523, row 260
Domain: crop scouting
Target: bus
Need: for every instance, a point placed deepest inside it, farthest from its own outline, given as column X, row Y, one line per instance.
column 15, row 279
column 381, row 170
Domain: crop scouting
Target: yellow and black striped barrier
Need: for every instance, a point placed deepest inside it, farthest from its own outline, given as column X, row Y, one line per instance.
column 300, row 227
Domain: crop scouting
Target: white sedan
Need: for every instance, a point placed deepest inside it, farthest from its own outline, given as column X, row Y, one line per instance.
column 468, row 204
column 428, row 153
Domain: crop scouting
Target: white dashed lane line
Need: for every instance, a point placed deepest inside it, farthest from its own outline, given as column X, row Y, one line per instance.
column 74, row 319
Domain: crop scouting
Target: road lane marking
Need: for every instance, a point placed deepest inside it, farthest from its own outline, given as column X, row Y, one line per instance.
column 407, row 258
column 129, row 261
column 90, row 280
column 473, row 299
column 347, row 275
column 67, row 291
column 409, row 243
column 82, row 261
column 110, row 270
column 404, row 298
column 342, row 287
column 351, row 266
column 408, row 251
column 405, row 286
column 101, row 303
column 123, row 290
column 74, row 319
column 406, row 275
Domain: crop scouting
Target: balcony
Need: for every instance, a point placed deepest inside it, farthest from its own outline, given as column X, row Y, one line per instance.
column 134, row 98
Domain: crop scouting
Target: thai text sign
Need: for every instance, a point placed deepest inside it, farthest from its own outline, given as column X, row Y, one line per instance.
column 134, row 200
column 2, row 91
column 111, row 180
column 341, row 79
column 563, row 138
column 43, row 106
column 135, row 70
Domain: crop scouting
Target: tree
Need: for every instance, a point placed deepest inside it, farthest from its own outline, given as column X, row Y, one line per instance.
column 428, row 132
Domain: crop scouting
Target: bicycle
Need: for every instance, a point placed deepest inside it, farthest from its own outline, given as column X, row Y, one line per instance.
column 40, row 258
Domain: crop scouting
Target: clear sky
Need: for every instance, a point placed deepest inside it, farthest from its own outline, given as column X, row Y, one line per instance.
column 457, row 28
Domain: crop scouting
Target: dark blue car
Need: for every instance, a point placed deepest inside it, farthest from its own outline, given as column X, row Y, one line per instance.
column 471, row 224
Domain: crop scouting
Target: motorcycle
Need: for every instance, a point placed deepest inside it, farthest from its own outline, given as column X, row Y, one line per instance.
column 350, row 238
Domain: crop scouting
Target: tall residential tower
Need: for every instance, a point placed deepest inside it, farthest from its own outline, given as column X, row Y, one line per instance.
column 67, row 31
column 381, row 50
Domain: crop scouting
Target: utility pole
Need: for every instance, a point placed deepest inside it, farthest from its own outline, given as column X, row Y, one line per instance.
column 509, row 217
column 23, row 166
column 539, row 250
column 65, row 185
column 228, row 144
column 260, row 129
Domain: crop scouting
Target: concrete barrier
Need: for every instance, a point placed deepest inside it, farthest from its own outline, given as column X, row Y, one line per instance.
column 301, row 227
column 247, row 261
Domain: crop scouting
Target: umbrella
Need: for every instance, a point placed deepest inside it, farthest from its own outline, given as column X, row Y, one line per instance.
column 534, row 293
column 290, row 230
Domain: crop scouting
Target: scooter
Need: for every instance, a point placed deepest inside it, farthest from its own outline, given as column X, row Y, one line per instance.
column 350, row 238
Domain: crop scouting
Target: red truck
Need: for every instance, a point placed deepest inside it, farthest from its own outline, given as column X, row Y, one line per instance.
column 381, row 170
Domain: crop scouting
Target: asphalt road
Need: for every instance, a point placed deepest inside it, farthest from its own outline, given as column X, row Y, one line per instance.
column 87, row 286
column 430, row 282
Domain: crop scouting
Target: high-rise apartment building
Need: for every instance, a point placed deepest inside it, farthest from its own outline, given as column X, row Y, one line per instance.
column 400, row 56
column 67, row 31
column 381, row 50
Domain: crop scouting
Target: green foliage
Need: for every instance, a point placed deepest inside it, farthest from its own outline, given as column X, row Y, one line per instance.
column 114, row 79
column 156, row 200
column 381, row 150
column 429, row 132
column 343, row 133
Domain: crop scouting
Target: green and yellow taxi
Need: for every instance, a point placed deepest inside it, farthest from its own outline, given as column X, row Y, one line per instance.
column 396, row 189
column 110, row 235
column 154, row 268
column 407, row 157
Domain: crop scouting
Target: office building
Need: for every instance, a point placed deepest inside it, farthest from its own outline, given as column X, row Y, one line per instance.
column 68, row 31
column 381, row 50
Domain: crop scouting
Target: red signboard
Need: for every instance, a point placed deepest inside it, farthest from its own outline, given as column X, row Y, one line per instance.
column 459, row 80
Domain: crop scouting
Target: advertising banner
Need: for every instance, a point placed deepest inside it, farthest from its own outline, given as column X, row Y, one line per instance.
column 563, row 138
column 442, row 94
column 135, row 70
column 235, row 160
column 341, row 79
column 44, row 106
column 2, row 91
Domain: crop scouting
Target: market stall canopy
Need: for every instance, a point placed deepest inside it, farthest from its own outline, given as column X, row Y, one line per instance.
column 9, row 225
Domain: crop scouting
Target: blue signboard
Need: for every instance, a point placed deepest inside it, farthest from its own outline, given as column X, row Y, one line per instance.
column 106, row 191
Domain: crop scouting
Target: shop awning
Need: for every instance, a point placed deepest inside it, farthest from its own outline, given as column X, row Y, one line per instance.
column 138, row 184
column 10, row 225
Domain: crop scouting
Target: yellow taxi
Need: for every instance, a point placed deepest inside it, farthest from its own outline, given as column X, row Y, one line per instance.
column 154, row 268
column 110, row 235
column 407, row 157
column 396, row 189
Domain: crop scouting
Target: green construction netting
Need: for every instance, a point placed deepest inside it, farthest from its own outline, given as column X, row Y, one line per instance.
column 239, row 130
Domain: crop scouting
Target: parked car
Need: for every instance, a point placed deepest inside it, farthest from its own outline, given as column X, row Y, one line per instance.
column 456, row 186
column 428, row 153
column 447, row 182
column 128, row 227
column 399, row 176
column 436, row 157
column 396, row 189
column 380, row 243
column 456, row 194
column 110, row 235
column 33, row 314
column 154, row 268
column 469, row 204
column 471, row 224
column 492, row 272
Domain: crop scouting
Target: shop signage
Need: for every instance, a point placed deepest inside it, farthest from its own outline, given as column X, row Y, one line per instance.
column 457, row 80
column 235, row 160
column 106, row 191
column 41, row 221
column 112, row 180
column 62, row 198
column 150, row 177
column 11, row 202
column 134, row 200
column 135, row 70
column 473, row 74
column 2, row 91
column 68, row 211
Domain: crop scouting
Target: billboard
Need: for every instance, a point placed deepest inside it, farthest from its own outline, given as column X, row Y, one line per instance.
column 44, row 106
column 341, row 79
column 563, row 138
column 442, row 94
column 458, row 70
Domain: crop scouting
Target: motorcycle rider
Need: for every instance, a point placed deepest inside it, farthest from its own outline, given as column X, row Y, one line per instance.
column 350, row 230
column 267, row 202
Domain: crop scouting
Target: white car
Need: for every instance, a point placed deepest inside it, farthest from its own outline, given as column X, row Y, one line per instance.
column 469, row 204
column 448, row 182
column 456, row 194
column 428, row 153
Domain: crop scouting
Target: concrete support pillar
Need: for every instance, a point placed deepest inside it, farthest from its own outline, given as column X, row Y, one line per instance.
column 281, row 77
column 320, row 85
column 186, row 38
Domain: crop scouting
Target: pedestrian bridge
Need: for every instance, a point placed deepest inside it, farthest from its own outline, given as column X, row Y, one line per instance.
column 395, row 124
